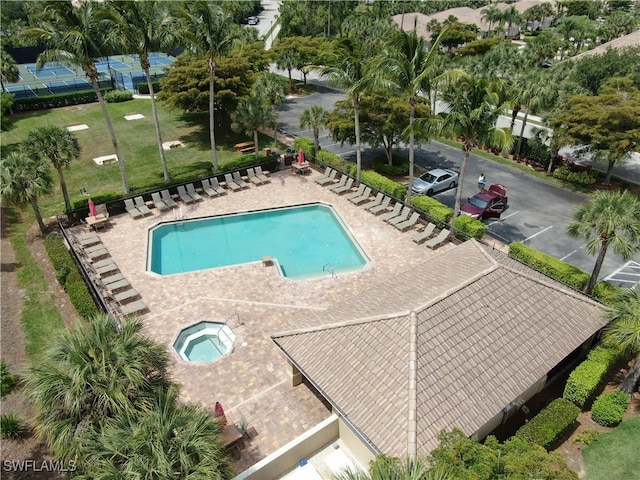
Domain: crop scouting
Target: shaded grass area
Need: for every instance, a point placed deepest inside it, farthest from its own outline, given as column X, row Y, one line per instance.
column 615, row 454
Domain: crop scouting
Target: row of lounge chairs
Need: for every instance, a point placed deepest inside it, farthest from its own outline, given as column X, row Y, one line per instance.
column 120, row 295
column 401, row 217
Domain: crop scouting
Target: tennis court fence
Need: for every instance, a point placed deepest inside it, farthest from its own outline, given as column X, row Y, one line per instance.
column 54, row 87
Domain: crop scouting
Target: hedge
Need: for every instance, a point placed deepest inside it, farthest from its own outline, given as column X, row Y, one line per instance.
column 434, row 210
column 115, row 96
column 608, row 355
column 332, row 160
column 399, row 167
column 54, row 101
column 609, row 408
column 466, row 227
column 306, row 144
column 583, row 178
column 550, row 425
column 143, row 88
column 584, row 381
column 383, row 184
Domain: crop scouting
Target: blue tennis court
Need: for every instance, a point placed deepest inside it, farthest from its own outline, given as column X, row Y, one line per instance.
column 49, row 70
column 68, row 86
column 103, row 65
column 21, row 91
column 156, row 60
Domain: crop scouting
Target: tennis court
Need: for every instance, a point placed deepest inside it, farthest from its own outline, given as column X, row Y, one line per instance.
column 104, row 64
column 21, row 91
column 156, row 60
column 68, row 86
column 49, row 70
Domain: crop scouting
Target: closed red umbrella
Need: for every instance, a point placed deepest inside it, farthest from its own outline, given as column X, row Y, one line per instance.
column 218, row 412
column 92, row 208
column 301, row 156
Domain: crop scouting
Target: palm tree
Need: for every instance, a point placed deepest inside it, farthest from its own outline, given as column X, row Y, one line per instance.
column 8, row 69
column 287, row 59
column 607, row 219
column 474, row 107
column 143, row 28
column 252, row 114
column 206, row 29
column 624, row 331
column 170, row 440
column 74, row 37
column 314, row 117
column 511, row 16
column 58, row 145
column 23, row 177
column 491, row 14
column 95, row 372
column 390, row 468
column 275, row 89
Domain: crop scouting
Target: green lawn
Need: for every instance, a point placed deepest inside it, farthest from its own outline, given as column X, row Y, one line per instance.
column 614, row 455
column 138, row 145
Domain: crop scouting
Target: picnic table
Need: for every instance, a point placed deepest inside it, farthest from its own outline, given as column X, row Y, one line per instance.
column 245, row 147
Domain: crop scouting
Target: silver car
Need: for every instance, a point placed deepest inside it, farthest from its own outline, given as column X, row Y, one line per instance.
column 434, row 181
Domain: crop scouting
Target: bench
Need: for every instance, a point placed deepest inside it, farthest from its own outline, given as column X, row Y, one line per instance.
column 245, row 147
column 246, row 150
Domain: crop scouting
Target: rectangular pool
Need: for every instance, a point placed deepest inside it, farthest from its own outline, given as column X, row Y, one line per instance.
column 306, row 241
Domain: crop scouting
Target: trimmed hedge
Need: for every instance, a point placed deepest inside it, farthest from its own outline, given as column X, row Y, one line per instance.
column 383, row 184
column 115, row 96
column 55, row 101
column 306, row 144
column 400, row 166
column 434, row 210
column 550, row 425
column 583, row 178
column 584, row 381
column 609, row 408
column 143, row 88
column 332, row 160
column 466, row 227
column 608, row 355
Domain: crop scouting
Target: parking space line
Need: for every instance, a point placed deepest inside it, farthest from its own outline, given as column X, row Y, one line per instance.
column 536, row 234
column 568, row 255
column 502, row 219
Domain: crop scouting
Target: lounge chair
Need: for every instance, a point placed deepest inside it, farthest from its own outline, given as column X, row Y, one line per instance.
column 406, row 211
column 124, row 296
column 394, row 213
column 184, row 196
column 437, row 240
column 101, row 269
column 216, row 186
column 328, row 177
column 377, row 209
column 262, row 175
column 115, row 278
column 113, row 286
column 206, row 188
column 142, row 206
column 131, row 308
column 230, row 183
column 93, row 248
column 423, row 235
column 191, row 190
column 166, row 198
column 238, row 179
column 253, row 178
column 131, row 209
column 158, row 203
column 362, row 198
column 94, row 254
column 357, row 193
column 375, row 202
column 344, row 189
column 85, row 241
column 102, row 263
column 339, row 183
column 407, row 224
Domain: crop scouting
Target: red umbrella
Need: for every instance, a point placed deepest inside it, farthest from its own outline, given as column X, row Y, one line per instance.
column 301, row 156
column 92, row 208
column 218, row 412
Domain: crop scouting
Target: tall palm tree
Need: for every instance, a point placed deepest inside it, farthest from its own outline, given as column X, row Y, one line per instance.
column 607, row 219
column 287, row 60
column 475, row 104
column 92, row 373
column 390, row 468
column 8, row 69
column 206, row 29
column 314, row 117
column 58, row 145
column 252, row 114
column 74, row 36
column 273, row 87
column 624, row 331
column 491, row 14
column 24, row 177
column 143, row 28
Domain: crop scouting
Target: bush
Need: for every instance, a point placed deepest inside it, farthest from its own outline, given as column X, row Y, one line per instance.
column 608, row 355
column 383, row 184
column 6, row 104
column 466, row 227
column 116, row 96
column 306, row 144
column 332, row 160
column 583, row 177
column 55, row 101
column 143, row 88
column 8, row 381
column 399, row 167
column 435, row 211
column 550, row 425
column 586, row 438
column 11, row 426
column 609, row 408
column 584, row 381
column 605, row 292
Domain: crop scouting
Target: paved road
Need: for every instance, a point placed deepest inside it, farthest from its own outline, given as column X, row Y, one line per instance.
column 538, row 211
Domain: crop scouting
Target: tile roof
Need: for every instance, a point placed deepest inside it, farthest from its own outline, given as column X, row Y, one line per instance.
column 447, row 343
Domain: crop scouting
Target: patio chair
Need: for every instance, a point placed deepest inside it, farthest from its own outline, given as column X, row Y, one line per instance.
column 216, row 186
column 142, row 206
column 93, row 248
column 94, row 254
column 115, row 278
column 122, row 297
column 206, row 188
column 131, row 209
column 344, row 189
column 362, row 198
column 437, row 240
column 166, row 198
column 262, row 175
column 394, row 213
column 329, row 175
column 407, row 224
column 375, row 202
column 424, row 234
column 113, row 286
column 131, row 308
column 86, row 240
column 378, row 209
column 230, row 183
column 184, row 196
column 357, row 193
column 158, row 203
column 253, row 178
column 340, row 183
column 239, row 181
column 406, row 211
column 191, row 190
column 102, row 209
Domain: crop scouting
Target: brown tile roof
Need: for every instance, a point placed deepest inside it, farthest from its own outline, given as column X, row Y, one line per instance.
column 448, row 343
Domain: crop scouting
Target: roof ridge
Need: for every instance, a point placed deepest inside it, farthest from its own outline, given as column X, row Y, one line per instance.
column 412, row 404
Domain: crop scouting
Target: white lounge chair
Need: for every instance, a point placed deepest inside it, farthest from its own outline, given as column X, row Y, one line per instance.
column 142, row 207
column 216, row 186
column 357, row 193
column 184, row 196
column 253, row 178
column 231, row 183
column 166, row 198
column 124, row 296
column 131, row 308
column 262, row 175
column 191, row 190
column 206, row 188
column 362, row 198
column 378, row 209
column 407, row 224
column 375, row 202
column 339, row 183
column 239, row 181
column 437, row 240
column 328, row 177
column 131, row 209
column 423, row 235
column 158, row 203
column 406, row 211
column 397, row 208
column 345, row 188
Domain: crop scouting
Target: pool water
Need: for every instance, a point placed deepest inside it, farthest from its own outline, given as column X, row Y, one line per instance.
column 306, row 241
column 205, row 349
column 204, row 341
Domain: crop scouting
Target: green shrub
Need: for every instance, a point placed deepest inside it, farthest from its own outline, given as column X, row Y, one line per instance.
column 383, row 184
column 143, row 89
column 8, row 381
column 54, row 101
column 332, row 160
column 80, row 296
column 466, row 227
column 583, row 178
column 11, row 425
column 609, row 408
column 60, row 258
column 586, row 438
column 584, row 381
column 398, row 168
column 6, row 107
column 608, row 355
column 116, row 96
column 435, row 211
column 605, row 292
column 306, row 144
column 550, row 425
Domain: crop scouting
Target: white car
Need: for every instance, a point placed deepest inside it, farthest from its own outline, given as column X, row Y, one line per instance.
column 253, row 20
column 434, row 181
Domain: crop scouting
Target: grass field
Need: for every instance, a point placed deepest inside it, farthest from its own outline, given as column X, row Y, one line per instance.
column 138, row 146
column 614, row 455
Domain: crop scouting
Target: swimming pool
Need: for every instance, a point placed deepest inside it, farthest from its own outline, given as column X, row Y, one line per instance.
column 305, row 241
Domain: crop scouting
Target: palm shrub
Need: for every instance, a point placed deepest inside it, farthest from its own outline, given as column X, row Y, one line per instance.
column 11, row 425
column 7, row 381
column 609, row 408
